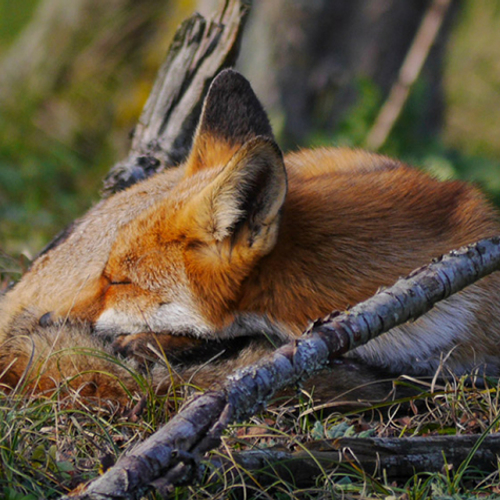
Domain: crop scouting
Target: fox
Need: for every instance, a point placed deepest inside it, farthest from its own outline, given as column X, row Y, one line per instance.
column 210, row 265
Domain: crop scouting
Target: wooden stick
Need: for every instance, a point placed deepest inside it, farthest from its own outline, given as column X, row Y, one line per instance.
column 412, row 65
column 398, row 458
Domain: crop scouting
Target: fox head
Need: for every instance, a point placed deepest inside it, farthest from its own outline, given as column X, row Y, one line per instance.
column 177, row 264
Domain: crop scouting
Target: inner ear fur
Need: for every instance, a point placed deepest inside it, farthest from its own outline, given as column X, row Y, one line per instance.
column 245, row 198
column 231, row 116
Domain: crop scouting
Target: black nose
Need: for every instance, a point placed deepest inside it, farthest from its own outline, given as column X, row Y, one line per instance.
column 46, row 320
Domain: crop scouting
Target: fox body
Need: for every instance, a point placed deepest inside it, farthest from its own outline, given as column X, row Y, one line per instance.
column 214, row 262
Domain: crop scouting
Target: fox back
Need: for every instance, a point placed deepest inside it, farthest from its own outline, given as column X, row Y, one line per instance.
column 216, row 261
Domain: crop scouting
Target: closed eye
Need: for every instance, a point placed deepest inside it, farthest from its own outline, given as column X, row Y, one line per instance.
column 120, row 283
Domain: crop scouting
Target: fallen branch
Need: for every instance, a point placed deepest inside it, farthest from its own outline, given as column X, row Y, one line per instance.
column 170, row 455
column 400, row 459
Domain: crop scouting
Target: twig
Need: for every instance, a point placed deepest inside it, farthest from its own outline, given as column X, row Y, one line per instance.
column 198, row 427
column 412, row 65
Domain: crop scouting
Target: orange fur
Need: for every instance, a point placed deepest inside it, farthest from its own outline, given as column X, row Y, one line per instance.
column 206, row 261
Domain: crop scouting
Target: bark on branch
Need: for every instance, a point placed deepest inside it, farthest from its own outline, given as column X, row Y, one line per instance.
column 400, row 458
column 172, row 452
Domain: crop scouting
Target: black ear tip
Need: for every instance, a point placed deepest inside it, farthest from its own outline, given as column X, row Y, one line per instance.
column 232, row 110
column 230, row 81
column 228, row 75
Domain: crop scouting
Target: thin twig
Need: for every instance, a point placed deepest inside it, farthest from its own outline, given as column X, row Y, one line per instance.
column 412, row 65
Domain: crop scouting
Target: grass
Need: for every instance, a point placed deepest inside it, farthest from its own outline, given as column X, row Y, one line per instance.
column 48, row 448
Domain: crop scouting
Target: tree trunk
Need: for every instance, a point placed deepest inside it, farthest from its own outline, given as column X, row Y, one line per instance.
column 163, row 136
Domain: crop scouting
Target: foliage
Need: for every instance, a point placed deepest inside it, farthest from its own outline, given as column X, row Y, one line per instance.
column 13, row 18
column 472, row 77
column 55, row 150
column 51, row 445
column 40, row 185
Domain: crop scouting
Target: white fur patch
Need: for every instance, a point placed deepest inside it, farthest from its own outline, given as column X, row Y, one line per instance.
column 113, row 322
column 418, row 347
column 175, row 317
column 168, row 318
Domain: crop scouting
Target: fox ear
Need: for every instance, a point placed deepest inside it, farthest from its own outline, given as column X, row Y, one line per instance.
column 231, row 116
column 245, row 199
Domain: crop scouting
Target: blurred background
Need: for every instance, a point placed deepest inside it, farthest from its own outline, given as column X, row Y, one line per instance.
column 75, row 75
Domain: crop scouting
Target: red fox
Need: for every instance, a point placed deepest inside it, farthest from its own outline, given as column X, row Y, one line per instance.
column 217, row 261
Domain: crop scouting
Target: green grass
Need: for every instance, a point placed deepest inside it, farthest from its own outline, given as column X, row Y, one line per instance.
column 48, row 448
column 13, row 17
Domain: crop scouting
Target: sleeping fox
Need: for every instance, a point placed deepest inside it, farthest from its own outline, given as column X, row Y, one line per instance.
column 207, row 266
